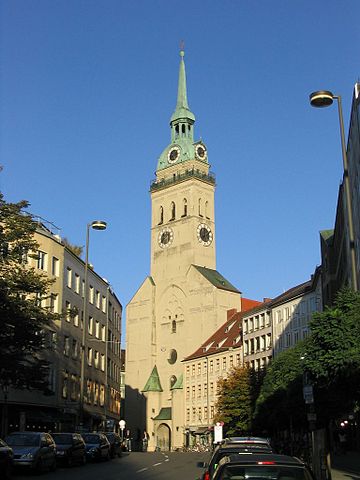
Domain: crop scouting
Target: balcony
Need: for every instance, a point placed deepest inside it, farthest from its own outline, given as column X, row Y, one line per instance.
column 181, row 177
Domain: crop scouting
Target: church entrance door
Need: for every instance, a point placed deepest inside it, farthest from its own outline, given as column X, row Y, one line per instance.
column 164, row 438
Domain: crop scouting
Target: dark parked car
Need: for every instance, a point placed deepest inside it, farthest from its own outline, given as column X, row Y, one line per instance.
column 115, row 443
column 70, row 448
column 6, row 459
column 33, row 450
column 97, row 446
column 253, row 466
column 234, row 445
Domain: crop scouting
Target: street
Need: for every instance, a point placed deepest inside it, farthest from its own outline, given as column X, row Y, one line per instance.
column 135, row 465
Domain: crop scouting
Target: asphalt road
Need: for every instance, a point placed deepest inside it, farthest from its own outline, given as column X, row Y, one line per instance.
column 131, row 466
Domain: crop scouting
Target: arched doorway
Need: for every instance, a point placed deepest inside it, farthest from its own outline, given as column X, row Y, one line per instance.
column 163, row 437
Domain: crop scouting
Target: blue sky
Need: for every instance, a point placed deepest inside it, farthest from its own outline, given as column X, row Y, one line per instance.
column 87, row 91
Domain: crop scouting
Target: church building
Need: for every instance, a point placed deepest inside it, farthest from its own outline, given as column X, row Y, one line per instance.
column 184, row 299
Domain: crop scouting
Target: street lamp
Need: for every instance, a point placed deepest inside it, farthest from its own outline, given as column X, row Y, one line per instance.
column 324, row 98
column 96, row 225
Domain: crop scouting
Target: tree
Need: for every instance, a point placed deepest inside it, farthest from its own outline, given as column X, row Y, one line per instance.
column 76, row 249
column 332, row 356
column 280, row 403
column 23, row 322
column 234, row 404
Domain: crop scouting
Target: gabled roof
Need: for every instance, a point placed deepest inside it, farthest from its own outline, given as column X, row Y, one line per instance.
column 164, row 414
column 216, row 279
column 228, row 335
column 153, row 384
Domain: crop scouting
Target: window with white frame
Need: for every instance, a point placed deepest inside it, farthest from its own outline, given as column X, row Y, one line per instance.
column 77, row 283
column 54, row 306
column 103, row 304
column 41, row 260
column 91, row 325
column 97, row 329
column 98, row 299
column 91, row 294
column 102, row 362
column 66, row 346
column 89, row 356
column 103, row 333
column 67, row 311
column 69, row 277
column 55, row 267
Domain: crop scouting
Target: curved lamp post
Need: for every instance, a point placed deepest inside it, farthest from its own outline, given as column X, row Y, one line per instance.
column 325, row 98
column 96, row 225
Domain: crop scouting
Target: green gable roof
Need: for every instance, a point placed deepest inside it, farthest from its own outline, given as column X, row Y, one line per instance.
column 153, row 384
column 178, row 385
column 216, row 279
column 165, row 414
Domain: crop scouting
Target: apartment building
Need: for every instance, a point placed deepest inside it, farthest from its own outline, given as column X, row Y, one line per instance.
column 33, row 410
column 257, row 336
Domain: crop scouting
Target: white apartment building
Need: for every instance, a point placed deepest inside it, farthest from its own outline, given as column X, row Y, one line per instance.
column 31, row 410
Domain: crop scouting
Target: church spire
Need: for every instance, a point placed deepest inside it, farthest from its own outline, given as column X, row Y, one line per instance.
column 182, row 119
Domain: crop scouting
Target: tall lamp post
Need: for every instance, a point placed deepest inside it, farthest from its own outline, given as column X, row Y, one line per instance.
column 324, row 98
column 96, row 225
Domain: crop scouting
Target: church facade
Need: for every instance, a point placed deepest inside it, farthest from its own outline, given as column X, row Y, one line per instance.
column 184, row 299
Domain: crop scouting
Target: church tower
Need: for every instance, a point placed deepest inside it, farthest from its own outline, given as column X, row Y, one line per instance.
column 184, row 299
column 183, row 223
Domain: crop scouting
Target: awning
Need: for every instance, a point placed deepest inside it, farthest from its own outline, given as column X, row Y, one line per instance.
column 201, row 431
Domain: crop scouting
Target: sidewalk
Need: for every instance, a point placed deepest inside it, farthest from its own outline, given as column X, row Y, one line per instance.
column 346, row 466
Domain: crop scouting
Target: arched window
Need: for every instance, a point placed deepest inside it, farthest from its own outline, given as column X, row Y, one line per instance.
column 172, row 211
column 207, row 209
column 183, row 129
column 177, row 130
column 173, row 326
column 185, row 207
column 200, row 215
column 161, row 215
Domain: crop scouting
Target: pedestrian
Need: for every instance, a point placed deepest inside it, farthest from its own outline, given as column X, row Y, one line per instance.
column 145, row 441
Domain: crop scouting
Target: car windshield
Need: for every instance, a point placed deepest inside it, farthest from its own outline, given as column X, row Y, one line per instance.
column 90, row 438
column 62, row 438
column 26, row 439
column 262, row 472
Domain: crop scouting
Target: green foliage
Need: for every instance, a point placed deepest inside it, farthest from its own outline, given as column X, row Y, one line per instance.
column 280, row 401
column 23, row 322
column 234, row 405
column 76, row 249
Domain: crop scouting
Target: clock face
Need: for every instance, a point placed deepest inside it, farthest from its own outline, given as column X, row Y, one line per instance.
column 173, row 154
column 165, row 238
column 204, row 234
column 200, row 152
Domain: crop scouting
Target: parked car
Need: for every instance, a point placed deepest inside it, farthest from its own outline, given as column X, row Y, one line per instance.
column 234, row 445
column 6, row 459
column 265, row 466
column 33, row 450
column 115, row 443
column 97, row 446
column 70, row 448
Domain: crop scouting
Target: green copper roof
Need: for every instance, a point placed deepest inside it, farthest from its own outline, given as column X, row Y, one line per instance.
column 327, row 234
column 182, row 128
column 216, row 279
column 178, row 385
column 165, row 414
column 182, row 110
column 153, row 384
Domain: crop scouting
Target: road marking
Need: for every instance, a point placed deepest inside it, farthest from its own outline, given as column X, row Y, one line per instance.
column 156, row 464
column 142, row 470
column 167, row 460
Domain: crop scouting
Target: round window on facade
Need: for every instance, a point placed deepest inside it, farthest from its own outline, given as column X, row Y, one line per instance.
column 172, row 356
